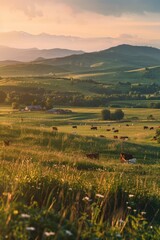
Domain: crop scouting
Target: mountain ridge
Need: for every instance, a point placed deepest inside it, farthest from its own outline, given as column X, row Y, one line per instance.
column 120, row 58
column 30, row 54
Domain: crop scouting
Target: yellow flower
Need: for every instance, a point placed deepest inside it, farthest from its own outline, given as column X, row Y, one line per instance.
column 15, row 212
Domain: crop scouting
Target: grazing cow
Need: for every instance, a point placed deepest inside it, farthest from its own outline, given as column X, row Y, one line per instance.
column 92, row 155
column 127, row 125
column 154, row 138
column 113, row 128
column 151, row 128
column 116, row 131
column 93, row 128
column 125, row 157
column 102, row 136
column 54, row 129
column 145, row 127
column 124, row 137
column 115, row 137
column 6, row 143
column 108, row 130
column 74, row 126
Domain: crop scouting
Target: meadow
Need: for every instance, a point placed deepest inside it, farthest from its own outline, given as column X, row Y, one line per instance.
column 49, row 189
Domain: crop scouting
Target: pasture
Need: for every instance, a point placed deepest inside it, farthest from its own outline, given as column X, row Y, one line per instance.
column 49, row 189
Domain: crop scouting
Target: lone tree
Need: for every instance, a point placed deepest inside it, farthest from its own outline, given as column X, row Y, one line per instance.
column 106, row 114
column 117, row 115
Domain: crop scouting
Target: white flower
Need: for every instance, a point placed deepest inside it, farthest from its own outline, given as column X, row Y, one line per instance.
column 129, row 208
column 131, row 195
column 30, row 229
column 121, row 221
column 69, row 233
column 99, row 195
column 143, row 213
column 134, row 210
column 24, row 215
column 118, row 235
column 48, row 234
column 86, row 199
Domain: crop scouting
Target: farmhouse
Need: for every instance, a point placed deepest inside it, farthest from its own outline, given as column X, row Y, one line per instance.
column 33, row 108
column 59, row 111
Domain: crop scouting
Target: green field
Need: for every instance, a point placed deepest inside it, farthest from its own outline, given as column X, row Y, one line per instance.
column 49, row 189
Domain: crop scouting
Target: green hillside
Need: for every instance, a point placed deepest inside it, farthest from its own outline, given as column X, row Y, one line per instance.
column 116, row 57
column 116, row 60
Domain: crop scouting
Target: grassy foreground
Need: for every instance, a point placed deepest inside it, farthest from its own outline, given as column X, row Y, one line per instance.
column 50, row 190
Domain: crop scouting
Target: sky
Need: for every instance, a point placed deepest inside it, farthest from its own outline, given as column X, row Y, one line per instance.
column 138, row 20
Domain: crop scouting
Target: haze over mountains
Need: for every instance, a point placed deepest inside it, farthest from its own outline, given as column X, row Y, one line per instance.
column 19, row 39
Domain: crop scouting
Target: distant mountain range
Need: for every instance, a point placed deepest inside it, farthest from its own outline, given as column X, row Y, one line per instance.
column 20, row 39
column 120, row 58
column 25, row 55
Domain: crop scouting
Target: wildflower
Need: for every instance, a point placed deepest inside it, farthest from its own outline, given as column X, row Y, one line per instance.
column 86, row 199
column 129, row 208
column 127, row 203
column 121, row 221
column 70, row 189
column 151, row 227
column 69, row 233
column 24, row 215
column 118, row 235
column 135, row 210
column 99, row 195
column 131, row 195
column 143, row 213
column 30, row 229
column 15, row 212
column 48, row 234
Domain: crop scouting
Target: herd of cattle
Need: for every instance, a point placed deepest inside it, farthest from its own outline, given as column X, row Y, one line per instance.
column 124, row 157
column 112, row 129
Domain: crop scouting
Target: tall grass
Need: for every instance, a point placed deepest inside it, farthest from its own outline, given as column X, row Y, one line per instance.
column 50, row 190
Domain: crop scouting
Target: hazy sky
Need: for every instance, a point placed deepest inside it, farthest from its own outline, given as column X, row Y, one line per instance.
column 84, row 18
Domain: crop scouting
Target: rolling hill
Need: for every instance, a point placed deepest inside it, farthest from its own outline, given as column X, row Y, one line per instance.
column 116, row 57
column 120, row 60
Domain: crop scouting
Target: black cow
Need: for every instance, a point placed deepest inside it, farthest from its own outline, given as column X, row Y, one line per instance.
column 115, row 137
column 54, row 129
column 145, row 127
column 92, row 155
column 74, row 126
column 102, row 136
column 154, row 138
column 93, row 128
column 151, row 128
column 116, row 131
column 124, row 137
